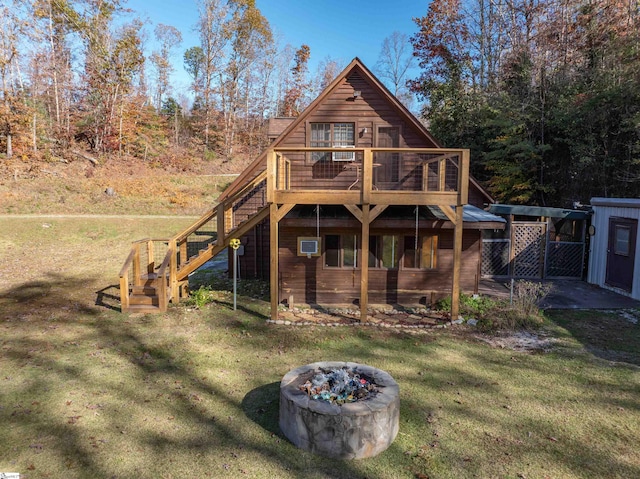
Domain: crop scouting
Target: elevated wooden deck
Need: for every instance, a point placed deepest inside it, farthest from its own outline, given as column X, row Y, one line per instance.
column 364, row 180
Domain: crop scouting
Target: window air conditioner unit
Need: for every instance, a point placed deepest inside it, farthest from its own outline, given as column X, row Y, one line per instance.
column 343, row 156
column 308, row 246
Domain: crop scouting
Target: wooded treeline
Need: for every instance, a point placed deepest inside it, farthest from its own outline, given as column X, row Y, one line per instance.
column 546, row 93
column 75, row 75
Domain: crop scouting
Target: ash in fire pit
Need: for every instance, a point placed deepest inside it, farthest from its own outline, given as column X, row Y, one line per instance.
column 339, row 386
column 341, row 424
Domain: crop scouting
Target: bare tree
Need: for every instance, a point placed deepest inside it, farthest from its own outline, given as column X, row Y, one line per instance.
column 395, row 61
column 169, row 38
column 250, row 38
column 327, row 70
column 11, row 111
column 212, row 26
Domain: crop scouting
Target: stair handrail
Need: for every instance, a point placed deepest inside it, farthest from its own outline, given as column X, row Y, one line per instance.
column 124, row 279
column 204, row 219
column 246, row 188
column 210, row 214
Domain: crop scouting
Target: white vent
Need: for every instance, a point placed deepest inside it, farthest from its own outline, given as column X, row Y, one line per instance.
column 343, row 156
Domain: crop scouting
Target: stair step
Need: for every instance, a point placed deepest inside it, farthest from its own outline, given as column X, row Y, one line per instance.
column 143, row 299
column 143, row 308
column 144, row 289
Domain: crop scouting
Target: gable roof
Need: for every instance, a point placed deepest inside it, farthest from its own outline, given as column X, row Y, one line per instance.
column 356, row 65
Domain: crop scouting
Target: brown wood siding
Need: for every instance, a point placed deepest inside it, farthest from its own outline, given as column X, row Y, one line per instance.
column 368, row 111
column 476, row 198
column 307, row 281
column 254, row 263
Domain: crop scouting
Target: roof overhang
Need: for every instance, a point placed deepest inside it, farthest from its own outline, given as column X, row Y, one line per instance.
column 539, row 211
column 616, row 202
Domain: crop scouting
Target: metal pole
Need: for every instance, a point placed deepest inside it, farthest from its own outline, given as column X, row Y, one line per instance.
column 235, row 276
column 511, row 293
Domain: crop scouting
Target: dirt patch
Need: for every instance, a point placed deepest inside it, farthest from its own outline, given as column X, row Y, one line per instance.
column 523, row 341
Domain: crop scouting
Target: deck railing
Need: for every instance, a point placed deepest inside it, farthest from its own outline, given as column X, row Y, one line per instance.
column 363, row 175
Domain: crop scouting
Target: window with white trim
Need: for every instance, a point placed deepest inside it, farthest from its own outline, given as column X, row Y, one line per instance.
column 332, row 135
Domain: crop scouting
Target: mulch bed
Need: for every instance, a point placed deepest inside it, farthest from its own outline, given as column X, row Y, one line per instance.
column 409, row 319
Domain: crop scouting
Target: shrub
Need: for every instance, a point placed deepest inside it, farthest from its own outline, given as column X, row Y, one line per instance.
column 528, row 294
column 471, row 306
column 494, row 315
column 201, row 296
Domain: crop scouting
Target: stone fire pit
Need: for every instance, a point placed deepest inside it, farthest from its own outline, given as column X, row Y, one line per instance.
column 353, row 430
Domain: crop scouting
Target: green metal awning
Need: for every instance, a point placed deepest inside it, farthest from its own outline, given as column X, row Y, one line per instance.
column 539, row 211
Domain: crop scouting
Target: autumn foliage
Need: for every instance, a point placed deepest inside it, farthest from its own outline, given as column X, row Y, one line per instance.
column 546, row 93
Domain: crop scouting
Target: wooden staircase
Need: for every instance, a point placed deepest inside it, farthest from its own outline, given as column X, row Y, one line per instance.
column 157, row 271
column 144, row 298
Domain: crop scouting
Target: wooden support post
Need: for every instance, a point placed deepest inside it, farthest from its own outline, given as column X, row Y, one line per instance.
column 463, row 198
column 273, row 239
column 364, row 265
column 457, row 264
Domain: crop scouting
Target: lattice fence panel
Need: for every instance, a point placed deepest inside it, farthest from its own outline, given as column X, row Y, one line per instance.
column 495, row 257
column 564, row 259
column 528, row 249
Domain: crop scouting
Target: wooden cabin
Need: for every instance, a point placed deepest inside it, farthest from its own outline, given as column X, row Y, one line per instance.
column 354, row 202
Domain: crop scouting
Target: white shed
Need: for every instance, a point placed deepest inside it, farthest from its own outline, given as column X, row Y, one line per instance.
column 614, row 259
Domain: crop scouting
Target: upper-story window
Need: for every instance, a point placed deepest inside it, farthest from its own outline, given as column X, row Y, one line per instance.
column 332, row 135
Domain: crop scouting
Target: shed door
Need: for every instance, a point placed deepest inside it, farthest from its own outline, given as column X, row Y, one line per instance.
column 621, row 252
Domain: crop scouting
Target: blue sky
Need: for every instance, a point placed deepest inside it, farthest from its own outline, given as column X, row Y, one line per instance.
column 340, row 29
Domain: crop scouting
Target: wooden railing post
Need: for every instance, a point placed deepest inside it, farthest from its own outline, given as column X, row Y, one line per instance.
column 183, row 252
column 124, row 293
column 173, row 271
column 220, row 228
column 367, row 176
column 151, row 265
column 229, row 220
column 272, row 167
column 137, row 280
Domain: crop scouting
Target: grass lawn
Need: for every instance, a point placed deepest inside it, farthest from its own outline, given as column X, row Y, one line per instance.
column 87, row 392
